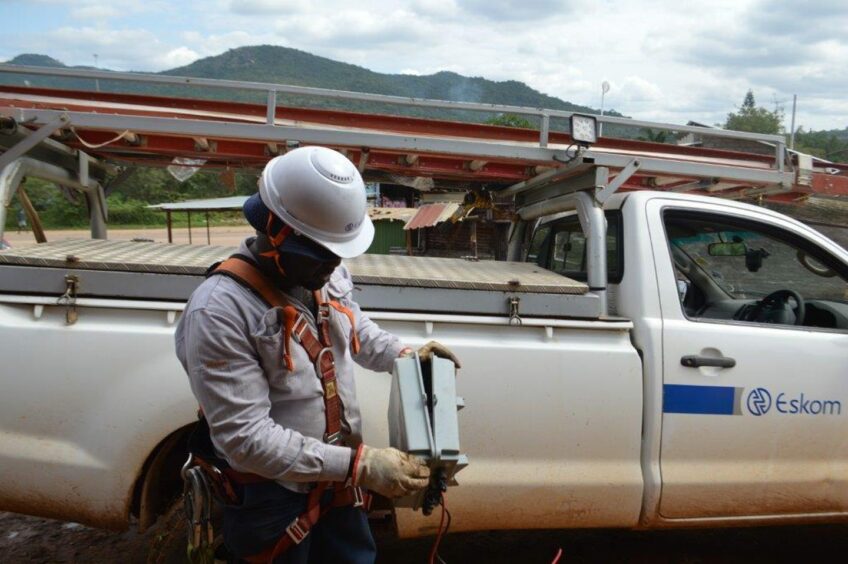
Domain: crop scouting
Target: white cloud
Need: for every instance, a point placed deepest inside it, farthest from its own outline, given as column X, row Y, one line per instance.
column 444, row 9
column 264, row 7
column 97, row 12
column 180, row 56
column 119, row 49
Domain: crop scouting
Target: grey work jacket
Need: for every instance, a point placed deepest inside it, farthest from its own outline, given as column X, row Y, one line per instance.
column 263, row 418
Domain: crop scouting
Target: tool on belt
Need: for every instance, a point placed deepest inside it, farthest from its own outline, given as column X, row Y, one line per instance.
column 205, row 472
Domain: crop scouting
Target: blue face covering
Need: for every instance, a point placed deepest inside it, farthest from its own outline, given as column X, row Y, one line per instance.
column 284, row 239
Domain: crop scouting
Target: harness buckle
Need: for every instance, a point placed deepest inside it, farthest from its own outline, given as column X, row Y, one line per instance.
column 333, row 438
column 320, row 357
column 358, row 497
column 298, row 334
column 330, row 369
column 296, row 531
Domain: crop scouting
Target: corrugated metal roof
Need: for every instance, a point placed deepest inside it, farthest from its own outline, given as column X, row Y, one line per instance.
column 392, row 214
column 432, row 214
column 210, row 204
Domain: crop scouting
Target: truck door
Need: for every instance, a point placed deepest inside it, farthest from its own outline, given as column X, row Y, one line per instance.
column 755, row 364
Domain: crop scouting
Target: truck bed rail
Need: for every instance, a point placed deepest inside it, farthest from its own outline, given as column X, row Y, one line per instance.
column 160, row 271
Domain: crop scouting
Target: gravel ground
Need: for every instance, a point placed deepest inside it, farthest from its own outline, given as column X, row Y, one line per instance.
column 28, row 539
column 229, row 236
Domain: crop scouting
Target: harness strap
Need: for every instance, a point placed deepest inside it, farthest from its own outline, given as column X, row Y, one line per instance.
column 354, row 336
column 318, row 348
column 343, row 495
column 325, row 367
column 250, row 276
column 296, row 326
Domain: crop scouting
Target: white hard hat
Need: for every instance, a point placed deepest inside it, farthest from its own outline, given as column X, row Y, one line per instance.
column 318, row 192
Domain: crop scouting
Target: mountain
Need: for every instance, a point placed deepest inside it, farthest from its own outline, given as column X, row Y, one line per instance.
column 34, row 60
column 291, row 66
column 283, row 65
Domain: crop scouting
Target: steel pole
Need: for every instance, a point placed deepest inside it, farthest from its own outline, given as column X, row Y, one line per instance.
column 792, row 136
column 601, row 125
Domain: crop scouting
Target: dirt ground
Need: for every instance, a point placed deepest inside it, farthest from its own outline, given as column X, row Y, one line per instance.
column 229, row 236
column 28, row 539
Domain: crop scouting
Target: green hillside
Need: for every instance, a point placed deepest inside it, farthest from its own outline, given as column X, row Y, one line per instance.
column 34, row 60
column 283, row 65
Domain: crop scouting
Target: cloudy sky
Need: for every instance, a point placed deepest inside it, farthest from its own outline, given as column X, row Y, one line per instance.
column 666, row 60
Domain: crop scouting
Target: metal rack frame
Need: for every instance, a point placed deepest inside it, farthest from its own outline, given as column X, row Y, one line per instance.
column 478, row 150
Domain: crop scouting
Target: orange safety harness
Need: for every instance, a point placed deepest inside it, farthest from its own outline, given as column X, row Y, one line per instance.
column 318, row 347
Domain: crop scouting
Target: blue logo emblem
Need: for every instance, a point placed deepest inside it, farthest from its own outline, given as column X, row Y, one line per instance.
column 759, row 401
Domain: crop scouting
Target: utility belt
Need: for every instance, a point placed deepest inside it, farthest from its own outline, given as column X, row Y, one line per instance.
column 205, row 473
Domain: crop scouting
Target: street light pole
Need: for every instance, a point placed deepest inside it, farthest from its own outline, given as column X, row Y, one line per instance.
column 605, row 86
column 792, row 136
column 96, row 81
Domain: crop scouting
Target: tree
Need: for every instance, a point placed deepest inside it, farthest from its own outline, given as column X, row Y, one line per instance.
column 755, row 119
column 825, row 144
column 659, row 136
column 510, row 120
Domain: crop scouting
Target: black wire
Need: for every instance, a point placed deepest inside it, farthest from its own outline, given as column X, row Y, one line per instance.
column 567, row 150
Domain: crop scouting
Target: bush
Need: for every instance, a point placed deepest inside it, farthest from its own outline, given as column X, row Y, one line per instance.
column 132, row 212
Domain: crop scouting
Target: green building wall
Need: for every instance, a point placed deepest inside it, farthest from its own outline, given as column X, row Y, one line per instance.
column 387, row 234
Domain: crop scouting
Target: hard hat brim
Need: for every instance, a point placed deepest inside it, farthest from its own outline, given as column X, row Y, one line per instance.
column 354, row 247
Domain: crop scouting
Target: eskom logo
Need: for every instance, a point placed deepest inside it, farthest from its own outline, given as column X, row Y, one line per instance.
column 759, row 401
column 805, row 406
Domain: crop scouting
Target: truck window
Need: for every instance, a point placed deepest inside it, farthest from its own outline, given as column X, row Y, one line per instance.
column 749, row 272
column 560, row 246
column 537, row 245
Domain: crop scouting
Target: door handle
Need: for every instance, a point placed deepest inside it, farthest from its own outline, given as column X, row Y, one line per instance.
column 696, row 361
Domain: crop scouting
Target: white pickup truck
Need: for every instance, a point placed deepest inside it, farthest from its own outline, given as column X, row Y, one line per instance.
column 647, row 359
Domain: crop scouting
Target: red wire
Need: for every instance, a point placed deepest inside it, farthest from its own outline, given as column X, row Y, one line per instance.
column 557, row 557
column 435, row 550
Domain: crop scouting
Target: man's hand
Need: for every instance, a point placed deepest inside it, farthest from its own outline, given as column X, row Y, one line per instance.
column 431, row 349
column 389, row 472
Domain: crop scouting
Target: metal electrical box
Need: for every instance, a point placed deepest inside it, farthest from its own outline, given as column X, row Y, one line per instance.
column 423, row 419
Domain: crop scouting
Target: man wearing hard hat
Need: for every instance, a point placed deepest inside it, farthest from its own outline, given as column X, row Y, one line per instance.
column 269, row 343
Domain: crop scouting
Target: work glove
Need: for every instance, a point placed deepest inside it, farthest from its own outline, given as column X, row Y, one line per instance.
column 431, row 349
column 389, row 472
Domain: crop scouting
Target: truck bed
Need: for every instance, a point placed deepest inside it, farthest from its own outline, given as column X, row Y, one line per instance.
column 159, row 271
